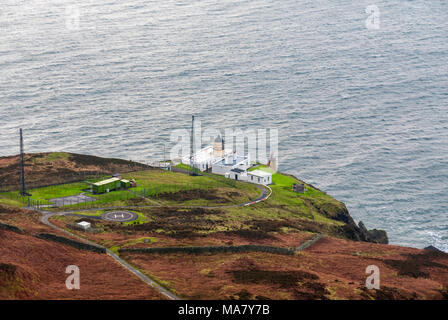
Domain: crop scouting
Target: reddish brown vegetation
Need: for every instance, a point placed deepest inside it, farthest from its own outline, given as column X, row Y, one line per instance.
column 413, row 263
column 386, row 293
column 26, row 220
column 331, row 269
column 247, row 272
column 42, row 169
column 175, row 222
column 32, row 268
column 119, row 234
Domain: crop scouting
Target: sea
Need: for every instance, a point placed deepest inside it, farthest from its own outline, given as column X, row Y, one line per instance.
column 357, row 90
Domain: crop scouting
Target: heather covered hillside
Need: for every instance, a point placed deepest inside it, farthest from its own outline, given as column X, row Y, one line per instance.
column 58, row 167
column 199, row 237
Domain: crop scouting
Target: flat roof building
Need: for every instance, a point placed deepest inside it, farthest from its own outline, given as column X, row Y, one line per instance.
column 259, row 176
column 110, row 185
column 203, row 159
column 84, row 225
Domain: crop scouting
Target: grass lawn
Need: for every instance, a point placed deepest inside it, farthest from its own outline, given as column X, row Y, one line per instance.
column 156, row 182
column 183, row 166
column 113, row 198
column 11, row 199
column 50, row 157
column 306, row 204
column 59, row 191
column 262, row 167
column 96, row 213
column 141, row 218
column 135, row 241
column 152, row 183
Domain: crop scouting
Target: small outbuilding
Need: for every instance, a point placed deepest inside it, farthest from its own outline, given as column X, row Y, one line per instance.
column 125, row 183
column 111, row 185
column 298, row 187
column 237, row 174
column 84, row 225
column 259, row 176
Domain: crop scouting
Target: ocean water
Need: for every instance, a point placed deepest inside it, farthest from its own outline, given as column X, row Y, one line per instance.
column 361, row 113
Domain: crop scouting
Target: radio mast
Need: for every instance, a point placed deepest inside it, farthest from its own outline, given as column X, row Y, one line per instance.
column 22, row 167
column 191, row 146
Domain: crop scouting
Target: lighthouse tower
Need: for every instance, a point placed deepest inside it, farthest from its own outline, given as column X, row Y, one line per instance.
column 218, row 147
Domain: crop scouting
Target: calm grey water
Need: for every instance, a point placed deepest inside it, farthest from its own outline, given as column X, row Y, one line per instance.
column 361, row 113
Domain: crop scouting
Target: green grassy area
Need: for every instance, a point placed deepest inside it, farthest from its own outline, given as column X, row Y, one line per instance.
column 159, row 181
column 54, row 156
column 261, row 167
column 285, row 212
column 140, row 240
column 153, row 183
column 141, row 218
column 45, row 158
column 114, row 249
column 284, row 202
column 173, row 188
column 183, row 166
column 11, row 200
column 312, row 203
column 59, row 191
column 96, row 213
column 44, row 194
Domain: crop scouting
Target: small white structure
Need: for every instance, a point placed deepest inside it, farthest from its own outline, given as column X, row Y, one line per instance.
column 204, row 158
column 237, row 174
column 84, row 225
column 259, row 176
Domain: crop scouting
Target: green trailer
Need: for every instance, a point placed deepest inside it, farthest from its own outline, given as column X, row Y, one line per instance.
column 110, row 185
column 126, row 184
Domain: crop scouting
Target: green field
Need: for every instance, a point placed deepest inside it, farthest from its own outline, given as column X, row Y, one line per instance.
column 155, row 183
column 59, row 191
column 285, row 212
column 157, row 186
column 166, row 188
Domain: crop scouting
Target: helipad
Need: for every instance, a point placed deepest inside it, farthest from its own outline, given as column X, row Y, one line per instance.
column 119, row 216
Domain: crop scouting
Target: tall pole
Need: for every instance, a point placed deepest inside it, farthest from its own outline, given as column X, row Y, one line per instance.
column 164, row 157
column 191, row 145
column 22, row 167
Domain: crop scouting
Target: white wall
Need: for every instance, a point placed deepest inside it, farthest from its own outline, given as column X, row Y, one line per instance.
column 222, row 170
column 260, row 180
column 241, row 176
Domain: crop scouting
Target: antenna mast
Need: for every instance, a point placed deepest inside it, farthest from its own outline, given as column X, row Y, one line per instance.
column 191, row 146
column 22, row 167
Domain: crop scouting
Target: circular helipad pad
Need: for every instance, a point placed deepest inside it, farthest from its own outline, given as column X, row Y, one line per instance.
column 119, row 216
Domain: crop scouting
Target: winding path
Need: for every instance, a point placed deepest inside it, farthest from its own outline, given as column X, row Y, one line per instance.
column 266, row 192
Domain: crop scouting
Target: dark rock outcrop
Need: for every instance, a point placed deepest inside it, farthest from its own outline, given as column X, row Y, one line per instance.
column 352, row 232
column 432, row 248
column 360, row 233
column 375, row 235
